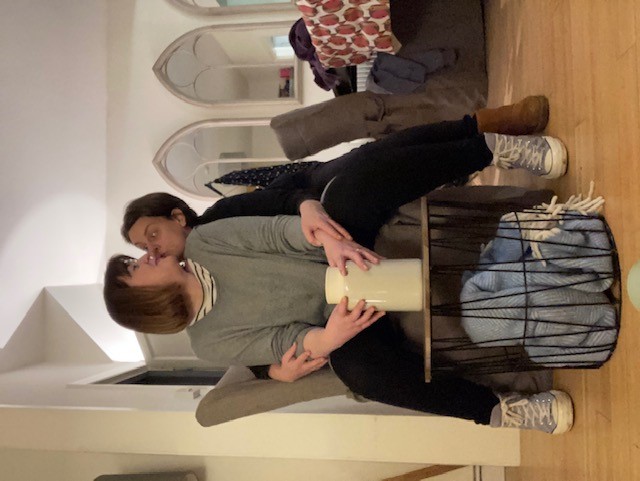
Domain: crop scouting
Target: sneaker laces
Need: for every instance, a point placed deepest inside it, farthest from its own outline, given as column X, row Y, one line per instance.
column 524, row 413
column 542, row 221
column 509, row 150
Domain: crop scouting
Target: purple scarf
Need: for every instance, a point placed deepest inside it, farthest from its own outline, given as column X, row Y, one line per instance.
column 300, row 40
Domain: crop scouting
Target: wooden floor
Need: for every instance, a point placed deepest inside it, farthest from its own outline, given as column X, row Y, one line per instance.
column 585, row 56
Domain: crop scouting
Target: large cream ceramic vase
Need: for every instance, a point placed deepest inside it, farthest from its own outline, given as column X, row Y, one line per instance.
column 392, row 285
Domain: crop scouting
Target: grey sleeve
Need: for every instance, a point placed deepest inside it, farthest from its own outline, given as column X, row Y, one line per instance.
column 250, row 347
column 277, row 235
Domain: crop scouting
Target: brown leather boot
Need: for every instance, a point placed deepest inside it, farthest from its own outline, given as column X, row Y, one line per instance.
column 528, row 116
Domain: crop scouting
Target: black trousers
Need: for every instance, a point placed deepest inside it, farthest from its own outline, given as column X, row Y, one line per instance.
column 369, row 183
column 365, row 187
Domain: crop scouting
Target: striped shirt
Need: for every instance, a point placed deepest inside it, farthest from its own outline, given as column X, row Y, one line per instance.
column 208, row 289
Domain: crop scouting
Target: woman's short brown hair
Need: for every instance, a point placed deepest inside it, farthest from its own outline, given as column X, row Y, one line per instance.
column 153, row 310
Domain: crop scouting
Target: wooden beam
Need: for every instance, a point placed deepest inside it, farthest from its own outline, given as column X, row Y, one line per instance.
column 424, row 473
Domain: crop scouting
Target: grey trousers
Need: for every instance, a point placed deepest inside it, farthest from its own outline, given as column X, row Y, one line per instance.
column 308, row 130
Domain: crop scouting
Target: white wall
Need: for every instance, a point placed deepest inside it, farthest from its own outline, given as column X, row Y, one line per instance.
column 46, row 385
column 21, row 465
column 143, row 114
column 28, row 343
column 79, row 329
column 53, row 137
column 406, row 439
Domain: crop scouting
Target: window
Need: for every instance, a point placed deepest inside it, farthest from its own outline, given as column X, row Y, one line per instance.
column 224, row 7
column 206, row 150
column 232, row 65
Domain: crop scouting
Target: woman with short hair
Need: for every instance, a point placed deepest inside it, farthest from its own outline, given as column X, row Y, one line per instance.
column 254, row 285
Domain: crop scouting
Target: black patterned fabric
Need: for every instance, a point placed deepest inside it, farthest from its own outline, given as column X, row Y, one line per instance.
column 262, row 176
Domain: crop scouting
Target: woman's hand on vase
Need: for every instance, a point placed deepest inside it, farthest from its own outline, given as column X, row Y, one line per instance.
column 338, row 252
column 344, row 324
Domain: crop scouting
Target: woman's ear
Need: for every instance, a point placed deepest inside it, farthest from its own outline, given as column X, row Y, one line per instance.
column 178, row 216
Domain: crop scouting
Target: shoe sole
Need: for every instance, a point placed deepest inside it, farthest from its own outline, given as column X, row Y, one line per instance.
column 563, row 410
column 559, row 156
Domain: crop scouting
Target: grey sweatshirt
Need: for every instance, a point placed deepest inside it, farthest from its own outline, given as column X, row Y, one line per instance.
column 270, row 289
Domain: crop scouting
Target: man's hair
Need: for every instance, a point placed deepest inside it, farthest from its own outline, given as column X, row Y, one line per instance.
column 156, row 204
column 153, row 310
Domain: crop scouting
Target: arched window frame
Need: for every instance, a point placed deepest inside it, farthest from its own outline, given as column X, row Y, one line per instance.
column 159, row 68
column 191, row 6
column 159, row 160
